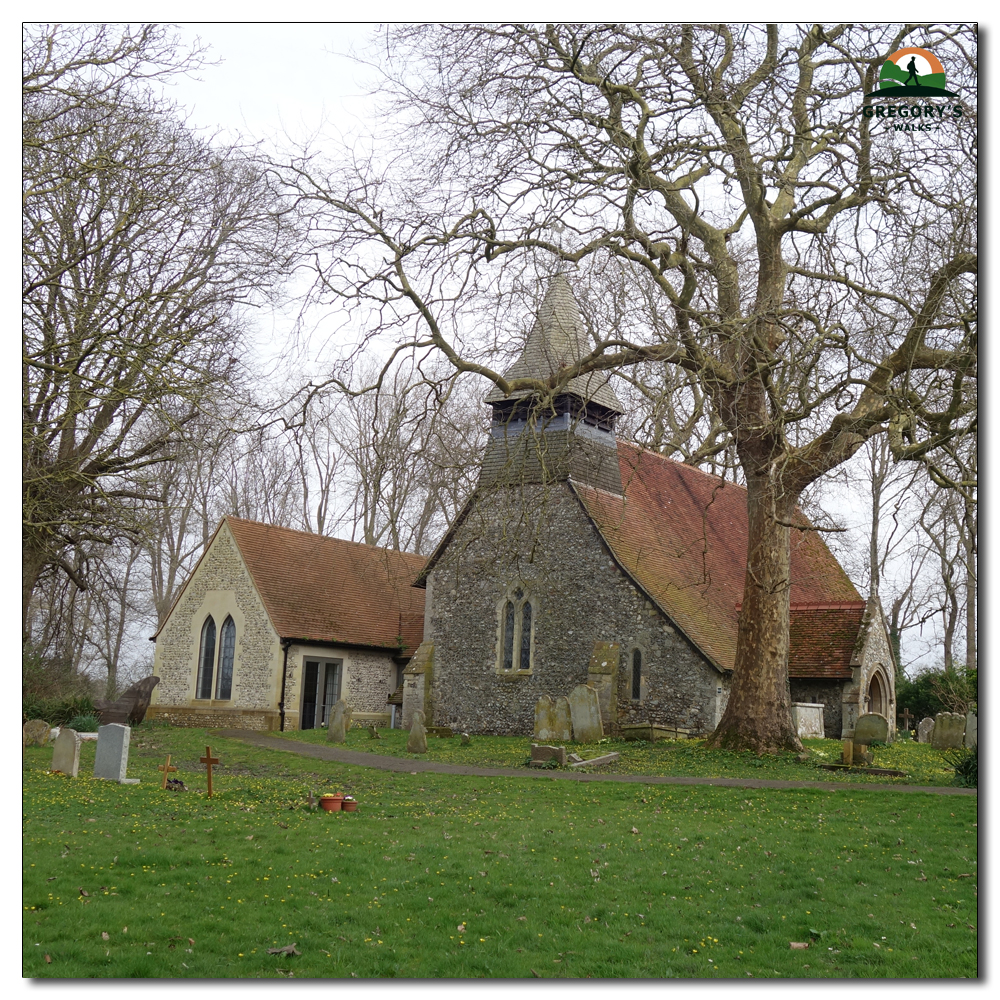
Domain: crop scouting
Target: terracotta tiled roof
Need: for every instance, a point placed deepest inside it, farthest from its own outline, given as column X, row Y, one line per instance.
column 822, row 638
column 328, row 590
column 682, row 536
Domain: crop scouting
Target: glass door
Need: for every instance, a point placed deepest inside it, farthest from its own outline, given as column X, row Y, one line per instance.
column 331, row 691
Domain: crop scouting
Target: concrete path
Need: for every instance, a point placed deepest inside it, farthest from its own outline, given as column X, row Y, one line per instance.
column 417, row 766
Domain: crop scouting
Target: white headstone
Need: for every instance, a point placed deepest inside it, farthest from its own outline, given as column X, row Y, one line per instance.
column 807, row 718
column 924, row 730
column 111, row 758
column 66, row 752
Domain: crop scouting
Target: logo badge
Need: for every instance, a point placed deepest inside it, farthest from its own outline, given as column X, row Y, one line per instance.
column 912, row 72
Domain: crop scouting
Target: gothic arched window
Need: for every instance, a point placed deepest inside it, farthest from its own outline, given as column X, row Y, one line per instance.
column 636, row 674
column 517, row 618
column 206, row 659
column 227, row 653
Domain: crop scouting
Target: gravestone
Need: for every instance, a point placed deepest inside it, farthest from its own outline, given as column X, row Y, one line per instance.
column 441, row 732
column 807, row 717
column 585, row 713
column 543, row 754
column 417, row 743
column 925, row 729
column 871, row 728
column 373, row 733
column 111, row 758
column 949, row 730
column 130, row 706
column 563, row 729
column 971, row 729
column 466, row 739
column 35, row 733
column 340, row 721
column 607, row 758
column 602, row 676
column 545, row 719
column 66, row 752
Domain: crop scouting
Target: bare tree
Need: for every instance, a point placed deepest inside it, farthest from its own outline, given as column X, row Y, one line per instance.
column 142, row 245
column 733, row 169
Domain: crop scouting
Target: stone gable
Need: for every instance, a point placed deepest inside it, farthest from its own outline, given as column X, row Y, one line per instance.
column 220, row 585
column 540, row 539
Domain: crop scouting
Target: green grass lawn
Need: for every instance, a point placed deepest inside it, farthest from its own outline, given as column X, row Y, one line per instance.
column 453, row 876
column 922, row 764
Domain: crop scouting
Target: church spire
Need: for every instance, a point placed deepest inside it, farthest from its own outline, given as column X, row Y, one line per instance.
column 558, row 339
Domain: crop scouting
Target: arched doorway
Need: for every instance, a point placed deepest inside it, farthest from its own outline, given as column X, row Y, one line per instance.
column 878, row 701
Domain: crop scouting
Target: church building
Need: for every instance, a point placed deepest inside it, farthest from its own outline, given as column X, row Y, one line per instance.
column 579, row 559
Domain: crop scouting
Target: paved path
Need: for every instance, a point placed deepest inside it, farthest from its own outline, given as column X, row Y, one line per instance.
column 417, row 766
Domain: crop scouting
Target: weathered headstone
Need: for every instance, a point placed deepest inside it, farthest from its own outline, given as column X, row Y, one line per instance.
column 441, row 732
column 466, row 739
column 971, row 729
column 871, row 728
column 607, row 758
column 111, row 758
column 925, row 729
column 848, row 756
column 563, row 729
column 130, row 706
column 35, row 733
column 807, row 717
column 373, row 733
column 417, row 743
column 585, row 713
column 340, row 721
column 949, row 730
column 543, row 754
column 66, row 752
column 545, row 719
column 602, row 676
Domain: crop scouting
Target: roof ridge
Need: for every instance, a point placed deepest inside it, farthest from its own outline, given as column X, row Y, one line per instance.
column 326, row 538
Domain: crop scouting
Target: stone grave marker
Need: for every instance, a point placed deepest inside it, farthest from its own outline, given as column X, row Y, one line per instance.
column 35, row 733
column 340, row 722
column 373, row 733
column 66, row 752
column 925, row 729
column 607, row 758
column 111, row 758
column 417, row 743
column 585, row 713
column 545, row 719
column 466, row 739
column 971, row 729
column 563, row 721
column 807, row 717
column 441, row 732
column 871, row 728
column 542, row 755
column 949, row 730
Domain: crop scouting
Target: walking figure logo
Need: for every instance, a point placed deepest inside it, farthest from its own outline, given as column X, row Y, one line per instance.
column 912, row 72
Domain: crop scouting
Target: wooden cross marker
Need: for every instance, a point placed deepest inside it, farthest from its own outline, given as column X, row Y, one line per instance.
column 907, row 717
column 208, row 760
column 166, row 769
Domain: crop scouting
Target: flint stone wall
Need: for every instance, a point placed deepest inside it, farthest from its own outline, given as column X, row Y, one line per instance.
column 828, row 693
column 540, row 537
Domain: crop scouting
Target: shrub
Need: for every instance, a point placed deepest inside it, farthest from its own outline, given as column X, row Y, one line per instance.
column 84, row 723
column 965, row 761
column 56, row 711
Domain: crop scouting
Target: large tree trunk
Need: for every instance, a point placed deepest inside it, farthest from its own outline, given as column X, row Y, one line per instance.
column 758, row 716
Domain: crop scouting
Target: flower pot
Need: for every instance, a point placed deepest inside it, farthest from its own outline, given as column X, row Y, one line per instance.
column 331, row 803
column 349, row 806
